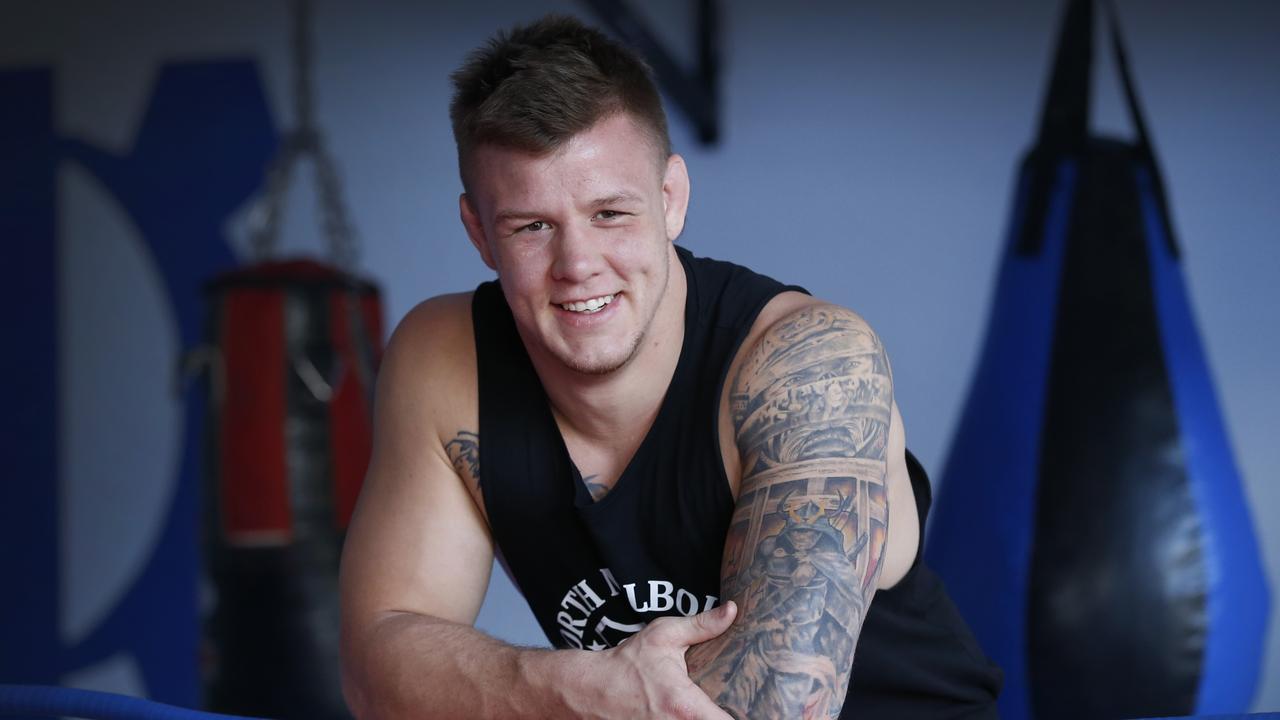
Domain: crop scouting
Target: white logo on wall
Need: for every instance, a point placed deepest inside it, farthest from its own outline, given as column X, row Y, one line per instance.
column 597, row 613
column 117, row 478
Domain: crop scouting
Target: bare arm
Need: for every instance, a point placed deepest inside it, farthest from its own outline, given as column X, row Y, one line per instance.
column 417, row 556
column 416, row 566
column 811, row 408
column 409, row 650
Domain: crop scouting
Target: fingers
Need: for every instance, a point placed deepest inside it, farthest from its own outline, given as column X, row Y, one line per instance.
column 699, row 628
column 713, row 622
column 658, row 653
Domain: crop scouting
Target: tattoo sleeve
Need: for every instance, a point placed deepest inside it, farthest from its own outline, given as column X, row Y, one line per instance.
column 810, row 410
column 464, row 453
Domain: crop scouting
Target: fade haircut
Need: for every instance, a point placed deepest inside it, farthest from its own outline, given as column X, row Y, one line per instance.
column 535, row 86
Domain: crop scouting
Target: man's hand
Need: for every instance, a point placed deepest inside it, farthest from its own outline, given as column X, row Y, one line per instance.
column 646, row 676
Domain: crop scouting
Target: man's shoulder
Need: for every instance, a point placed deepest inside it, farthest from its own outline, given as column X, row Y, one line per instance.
column 784, row 305
column 450, row 307
column 804, row 323
column 793, row 322
column 795, row 309
column 433, row 325
column 431, row 360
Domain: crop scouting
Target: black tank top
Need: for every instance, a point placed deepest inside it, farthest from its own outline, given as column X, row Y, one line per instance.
column 595, row 572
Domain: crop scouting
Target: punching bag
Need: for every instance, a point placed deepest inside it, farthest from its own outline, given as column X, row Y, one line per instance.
column 1091, row 524
column 296, row 345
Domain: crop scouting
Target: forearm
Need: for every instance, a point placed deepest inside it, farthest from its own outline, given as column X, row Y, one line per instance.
column 409, row 666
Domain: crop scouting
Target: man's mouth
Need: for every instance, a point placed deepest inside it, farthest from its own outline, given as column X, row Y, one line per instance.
column 586, row 307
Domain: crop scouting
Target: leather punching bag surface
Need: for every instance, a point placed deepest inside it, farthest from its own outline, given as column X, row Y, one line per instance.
column 1091, row 524
column 290, row 439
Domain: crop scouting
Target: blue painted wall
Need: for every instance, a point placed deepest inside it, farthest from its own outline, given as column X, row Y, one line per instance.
column 197, row 155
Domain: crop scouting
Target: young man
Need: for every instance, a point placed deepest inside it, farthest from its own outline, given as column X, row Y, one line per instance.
column 666, row 450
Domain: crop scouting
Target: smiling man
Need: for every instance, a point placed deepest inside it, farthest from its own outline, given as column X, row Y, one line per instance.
column 665, row 450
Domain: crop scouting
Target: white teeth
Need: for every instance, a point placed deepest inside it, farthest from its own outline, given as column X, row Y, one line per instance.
column 588, row 306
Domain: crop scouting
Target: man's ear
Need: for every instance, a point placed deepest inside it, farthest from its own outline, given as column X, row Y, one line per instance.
column 675, row 195
column 475, row 229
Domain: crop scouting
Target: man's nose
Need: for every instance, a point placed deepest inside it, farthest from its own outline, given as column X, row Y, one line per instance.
column 577, row 257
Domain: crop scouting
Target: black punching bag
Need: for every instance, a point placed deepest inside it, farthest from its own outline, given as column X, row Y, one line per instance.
column 1091, row 524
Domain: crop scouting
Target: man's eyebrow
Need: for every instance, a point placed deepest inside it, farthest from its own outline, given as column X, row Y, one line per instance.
column 507, row 215
column 616, row 199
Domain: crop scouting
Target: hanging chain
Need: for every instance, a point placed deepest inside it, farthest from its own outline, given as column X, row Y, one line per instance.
column 305, row 140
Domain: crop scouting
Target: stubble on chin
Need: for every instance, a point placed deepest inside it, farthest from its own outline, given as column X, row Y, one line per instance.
column 607, row 365
column 604, row 366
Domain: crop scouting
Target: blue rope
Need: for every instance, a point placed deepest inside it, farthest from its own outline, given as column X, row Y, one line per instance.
column 47, row 701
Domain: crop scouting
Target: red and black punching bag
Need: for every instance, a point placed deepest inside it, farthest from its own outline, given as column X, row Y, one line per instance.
column 296, row 344
column 294, row 349
column 1091, row 523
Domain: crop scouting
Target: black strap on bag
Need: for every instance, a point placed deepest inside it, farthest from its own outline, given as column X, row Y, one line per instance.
column 1064, row 119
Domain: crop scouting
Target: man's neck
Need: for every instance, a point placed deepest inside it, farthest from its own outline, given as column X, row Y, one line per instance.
column 618, row 408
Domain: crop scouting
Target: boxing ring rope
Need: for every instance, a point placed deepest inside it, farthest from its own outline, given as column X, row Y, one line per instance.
column 48, row 701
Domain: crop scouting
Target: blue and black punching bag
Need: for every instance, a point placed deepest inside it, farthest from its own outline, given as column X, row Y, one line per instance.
column 1091, row 524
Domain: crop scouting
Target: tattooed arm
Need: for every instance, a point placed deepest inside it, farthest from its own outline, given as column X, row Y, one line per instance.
column 811, row 407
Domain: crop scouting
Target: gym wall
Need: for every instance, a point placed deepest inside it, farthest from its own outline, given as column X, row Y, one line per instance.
column 867, row 152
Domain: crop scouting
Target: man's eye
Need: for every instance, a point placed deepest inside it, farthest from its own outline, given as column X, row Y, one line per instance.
column 608, row 215
column 535, row 226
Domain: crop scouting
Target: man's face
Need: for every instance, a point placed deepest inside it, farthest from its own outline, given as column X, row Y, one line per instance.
column 580, row 238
